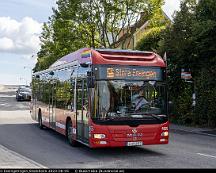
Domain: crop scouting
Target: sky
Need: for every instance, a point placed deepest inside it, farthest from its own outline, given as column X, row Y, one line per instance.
column 20, row 27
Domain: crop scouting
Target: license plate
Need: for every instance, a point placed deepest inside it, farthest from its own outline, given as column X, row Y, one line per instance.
column 134, row 143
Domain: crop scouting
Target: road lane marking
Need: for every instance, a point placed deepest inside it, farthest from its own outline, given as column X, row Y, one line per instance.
column 5, row 96
column 206, row 155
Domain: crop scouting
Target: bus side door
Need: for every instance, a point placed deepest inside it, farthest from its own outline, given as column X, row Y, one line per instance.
column 82, row 110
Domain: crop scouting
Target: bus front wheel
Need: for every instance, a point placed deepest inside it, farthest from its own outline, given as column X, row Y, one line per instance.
column 69, row 133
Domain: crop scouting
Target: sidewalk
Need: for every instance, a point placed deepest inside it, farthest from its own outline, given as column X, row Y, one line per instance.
column 201, row 131
column 11, row 159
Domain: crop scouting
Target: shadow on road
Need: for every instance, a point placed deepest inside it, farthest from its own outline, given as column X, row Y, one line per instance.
column 107, row 152
column 10, row 93
column 8, row 102
column 50, row 148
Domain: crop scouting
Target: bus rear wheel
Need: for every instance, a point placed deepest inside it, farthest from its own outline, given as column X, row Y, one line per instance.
column 69, row 132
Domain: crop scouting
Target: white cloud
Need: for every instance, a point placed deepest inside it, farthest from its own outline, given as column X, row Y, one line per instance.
column 19, row 37
column 6, row 43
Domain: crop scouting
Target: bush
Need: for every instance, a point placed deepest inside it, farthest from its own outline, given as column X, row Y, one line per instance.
column 150, row 39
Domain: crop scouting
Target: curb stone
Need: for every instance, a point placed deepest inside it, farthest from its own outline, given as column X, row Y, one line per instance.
column 11, row 159
column 199, row 131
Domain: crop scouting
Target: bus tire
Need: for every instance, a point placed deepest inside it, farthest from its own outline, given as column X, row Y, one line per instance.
column 69, row 132
column 40, row 123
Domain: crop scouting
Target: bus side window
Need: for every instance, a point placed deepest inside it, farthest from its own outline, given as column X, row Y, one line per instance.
column 79, row 94
column 85, row 96
column 72, row 90
column 79, row 100
column 67, row 95
column 85, row 102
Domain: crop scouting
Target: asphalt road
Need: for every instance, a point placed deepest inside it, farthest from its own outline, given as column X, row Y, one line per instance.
column 19, row 133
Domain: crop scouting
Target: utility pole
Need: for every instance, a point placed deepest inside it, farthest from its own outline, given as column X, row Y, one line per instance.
column 27, row 67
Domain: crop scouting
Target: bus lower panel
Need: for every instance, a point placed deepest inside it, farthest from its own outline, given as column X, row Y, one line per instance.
column 121, row 136
column 124, row 144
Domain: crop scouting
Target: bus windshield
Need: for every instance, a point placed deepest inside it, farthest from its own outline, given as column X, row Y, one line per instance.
column 116, row 99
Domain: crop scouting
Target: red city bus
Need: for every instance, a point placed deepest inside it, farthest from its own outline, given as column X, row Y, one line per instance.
column 104, row 98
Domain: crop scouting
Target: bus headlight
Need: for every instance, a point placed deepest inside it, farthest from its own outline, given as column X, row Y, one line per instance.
column 99, row 136
column 165, row 133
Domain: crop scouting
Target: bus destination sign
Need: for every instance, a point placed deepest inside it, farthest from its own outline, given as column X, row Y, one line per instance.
column 129, row 72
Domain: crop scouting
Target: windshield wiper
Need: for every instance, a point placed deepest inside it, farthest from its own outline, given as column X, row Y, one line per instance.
column 152, row 115
column 156, row 117
column 128, row 117
column 105, row 119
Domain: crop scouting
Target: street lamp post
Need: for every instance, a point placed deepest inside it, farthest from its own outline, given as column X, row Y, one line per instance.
column 21, row 78
column 25, row 67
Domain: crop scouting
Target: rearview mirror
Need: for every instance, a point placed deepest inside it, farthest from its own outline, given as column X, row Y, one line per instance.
column 51, row 73
column 84, row 65
column 170, row 107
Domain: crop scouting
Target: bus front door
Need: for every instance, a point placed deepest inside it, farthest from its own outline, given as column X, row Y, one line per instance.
column 82, row 111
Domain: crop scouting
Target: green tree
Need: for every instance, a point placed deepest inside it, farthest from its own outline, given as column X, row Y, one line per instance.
column 86, row 23
column 175, row 40
column 190, row 43
column 157, row 23
column 47, row 45
column 151, row 39
column 91, row 23
column 204, row 55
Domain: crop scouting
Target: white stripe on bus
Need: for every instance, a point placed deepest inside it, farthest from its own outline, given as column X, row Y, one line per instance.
column 45, row 119
column 62, row 126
